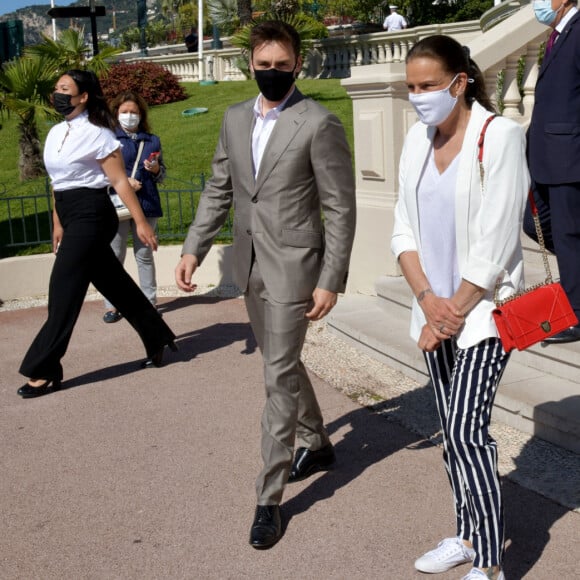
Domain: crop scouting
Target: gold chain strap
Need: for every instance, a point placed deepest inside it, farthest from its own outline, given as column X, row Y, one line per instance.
column 537, row 225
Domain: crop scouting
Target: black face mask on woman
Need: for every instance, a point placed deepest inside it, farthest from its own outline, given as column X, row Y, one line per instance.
column 61, row 103
column 274, row 84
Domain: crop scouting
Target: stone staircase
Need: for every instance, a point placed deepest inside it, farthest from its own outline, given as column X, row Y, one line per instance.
column 540, row 390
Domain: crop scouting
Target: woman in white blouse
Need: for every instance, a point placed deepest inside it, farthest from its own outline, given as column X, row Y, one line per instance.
column 83, row 158
column 455, row 237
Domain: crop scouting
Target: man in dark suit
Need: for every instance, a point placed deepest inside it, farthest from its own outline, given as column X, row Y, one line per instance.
column 282, row 161
column 554, row 148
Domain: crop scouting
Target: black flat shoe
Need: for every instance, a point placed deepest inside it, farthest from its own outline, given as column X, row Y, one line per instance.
column 156, row 360
column 267, row 527
column 307, row 462
column 27, row 391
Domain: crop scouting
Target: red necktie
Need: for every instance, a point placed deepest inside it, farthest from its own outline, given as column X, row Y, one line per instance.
column 551, row 41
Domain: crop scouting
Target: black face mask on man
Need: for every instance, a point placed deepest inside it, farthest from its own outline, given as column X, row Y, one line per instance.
column 274, row 84
column 61, row 103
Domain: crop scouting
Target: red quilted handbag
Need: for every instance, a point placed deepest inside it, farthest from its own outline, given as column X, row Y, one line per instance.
column 537, row 313
column 533, row 316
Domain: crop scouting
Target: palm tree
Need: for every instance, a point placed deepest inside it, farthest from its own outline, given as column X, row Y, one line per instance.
column 25, row 88
column 224, row 13
column 70, row 51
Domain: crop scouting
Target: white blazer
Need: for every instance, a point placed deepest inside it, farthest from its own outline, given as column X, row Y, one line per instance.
column 488, row 222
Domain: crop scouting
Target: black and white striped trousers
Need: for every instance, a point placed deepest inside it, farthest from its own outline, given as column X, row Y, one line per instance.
column 465, row 383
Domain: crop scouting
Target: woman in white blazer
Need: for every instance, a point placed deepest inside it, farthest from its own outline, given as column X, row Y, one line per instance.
column 455, row 236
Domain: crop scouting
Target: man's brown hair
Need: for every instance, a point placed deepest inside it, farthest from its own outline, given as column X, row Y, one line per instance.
column 274, row 30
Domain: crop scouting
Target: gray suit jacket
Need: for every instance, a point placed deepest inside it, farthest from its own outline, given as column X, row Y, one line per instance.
column 306, row 170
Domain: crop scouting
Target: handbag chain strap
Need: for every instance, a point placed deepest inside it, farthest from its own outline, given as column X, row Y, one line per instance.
column 535, row 216
column 540, row 235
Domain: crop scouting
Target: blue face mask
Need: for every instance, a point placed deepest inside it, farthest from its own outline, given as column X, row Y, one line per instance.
column 544, row 12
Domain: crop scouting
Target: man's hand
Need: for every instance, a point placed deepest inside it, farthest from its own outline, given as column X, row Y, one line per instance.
column 184, row 271
column 324, row 301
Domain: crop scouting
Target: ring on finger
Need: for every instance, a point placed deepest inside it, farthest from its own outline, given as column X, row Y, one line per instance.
column 441, row 328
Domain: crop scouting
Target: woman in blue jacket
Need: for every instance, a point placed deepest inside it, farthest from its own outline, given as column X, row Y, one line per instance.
column 130, row 109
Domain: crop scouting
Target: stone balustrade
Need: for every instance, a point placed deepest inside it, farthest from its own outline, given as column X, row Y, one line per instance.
column 333, row 57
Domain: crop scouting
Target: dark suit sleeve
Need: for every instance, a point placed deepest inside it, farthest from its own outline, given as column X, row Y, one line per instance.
column 332, row 165
column 214, row 202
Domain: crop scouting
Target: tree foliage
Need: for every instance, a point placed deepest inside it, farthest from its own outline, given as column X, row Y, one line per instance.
column 421, row 12
column 70, row 51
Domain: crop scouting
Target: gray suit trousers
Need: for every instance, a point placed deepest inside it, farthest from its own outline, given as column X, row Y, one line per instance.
column 291, row 411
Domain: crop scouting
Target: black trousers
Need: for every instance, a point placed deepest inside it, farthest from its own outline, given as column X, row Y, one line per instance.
column 90, row 222
column 559, row 213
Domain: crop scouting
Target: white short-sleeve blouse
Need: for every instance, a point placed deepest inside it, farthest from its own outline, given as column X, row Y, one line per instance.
column 72, row 153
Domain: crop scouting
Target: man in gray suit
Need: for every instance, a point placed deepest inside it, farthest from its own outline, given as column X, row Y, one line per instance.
column 282, row 160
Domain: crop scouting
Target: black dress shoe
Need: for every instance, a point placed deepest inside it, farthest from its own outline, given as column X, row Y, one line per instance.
column 156, row 360
column 27, row 391
column 267, row 527
column 307, row 462
column 571, row 334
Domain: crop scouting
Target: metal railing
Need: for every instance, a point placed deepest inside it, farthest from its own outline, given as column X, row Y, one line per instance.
column 27, row 220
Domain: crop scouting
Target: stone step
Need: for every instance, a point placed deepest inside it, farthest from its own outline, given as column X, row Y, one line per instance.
column 529, row 399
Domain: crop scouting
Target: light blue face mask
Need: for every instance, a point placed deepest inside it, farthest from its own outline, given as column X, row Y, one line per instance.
column 544, row 12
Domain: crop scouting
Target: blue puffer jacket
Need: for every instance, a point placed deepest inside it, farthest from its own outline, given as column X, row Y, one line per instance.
column 148, row 194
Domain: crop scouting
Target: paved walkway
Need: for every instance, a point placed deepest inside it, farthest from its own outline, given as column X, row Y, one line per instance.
column 149, row 474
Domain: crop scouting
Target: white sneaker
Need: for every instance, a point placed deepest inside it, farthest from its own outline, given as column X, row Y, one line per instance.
column 477, row 574
column 449, row 553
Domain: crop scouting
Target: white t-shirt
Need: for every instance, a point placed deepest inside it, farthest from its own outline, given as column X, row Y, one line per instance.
column 394, row 22
column 436, row 203
column 72, row 152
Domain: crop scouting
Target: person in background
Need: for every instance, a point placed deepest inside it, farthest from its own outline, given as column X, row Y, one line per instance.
column 82, row 158
column 130, row 110
column 455, row 237
column 554, row 149
column 283, row 161
column 192, row 41
column 394, row 21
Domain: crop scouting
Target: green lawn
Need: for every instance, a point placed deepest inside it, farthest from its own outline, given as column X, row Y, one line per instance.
column 188, row 142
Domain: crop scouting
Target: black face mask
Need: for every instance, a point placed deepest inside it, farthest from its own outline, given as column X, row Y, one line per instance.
column 61, row 103
column 274, row 84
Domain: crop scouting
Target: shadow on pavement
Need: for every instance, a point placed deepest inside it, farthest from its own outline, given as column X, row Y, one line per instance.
column 191, row 345
column 171, row 304
column 359, row 449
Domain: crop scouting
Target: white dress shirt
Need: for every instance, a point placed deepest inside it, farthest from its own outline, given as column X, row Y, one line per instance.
column 72, row 152
column 263, row 129
column 566, row 19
